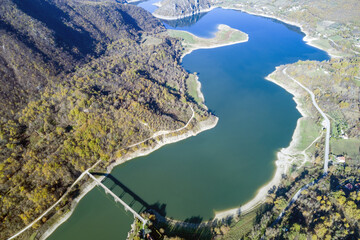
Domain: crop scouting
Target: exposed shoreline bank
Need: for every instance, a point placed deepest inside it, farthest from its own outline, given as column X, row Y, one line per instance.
column 199, row 92
column 190, row 50
column 262, row 192
column 283, row 156
column 221, row 27
column 309, row 40
column 87, row 188
column 283, row 161
column 200, row 127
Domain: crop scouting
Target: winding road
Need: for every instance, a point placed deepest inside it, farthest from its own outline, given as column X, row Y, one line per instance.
column 54, row 205
column 86, row 172
column 326, row 124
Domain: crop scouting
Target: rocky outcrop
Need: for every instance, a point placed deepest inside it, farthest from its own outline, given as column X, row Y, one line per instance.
column 172, row 9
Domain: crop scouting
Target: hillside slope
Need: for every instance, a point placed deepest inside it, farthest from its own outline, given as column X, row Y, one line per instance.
column 79, row 82
column 331, row 25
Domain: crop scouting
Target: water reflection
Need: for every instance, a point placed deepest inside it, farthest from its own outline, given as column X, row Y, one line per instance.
column 184, row 22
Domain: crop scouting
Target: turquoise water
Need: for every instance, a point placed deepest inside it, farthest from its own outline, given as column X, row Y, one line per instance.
column 223, row 167
column 95, row 217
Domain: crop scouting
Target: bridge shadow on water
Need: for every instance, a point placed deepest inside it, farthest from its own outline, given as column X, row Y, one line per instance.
column 130, row 197
column 191, row 228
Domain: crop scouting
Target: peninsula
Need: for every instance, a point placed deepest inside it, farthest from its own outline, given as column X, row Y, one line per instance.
column 223, row 37
column 334, row 86
column 92, row 84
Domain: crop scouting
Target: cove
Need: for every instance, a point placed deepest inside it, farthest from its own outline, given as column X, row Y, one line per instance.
column 223, row 167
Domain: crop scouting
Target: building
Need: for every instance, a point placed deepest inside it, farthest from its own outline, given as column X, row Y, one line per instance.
column 340, row 159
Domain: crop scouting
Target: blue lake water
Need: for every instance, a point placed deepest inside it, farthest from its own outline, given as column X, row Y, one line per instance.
column 223, row 167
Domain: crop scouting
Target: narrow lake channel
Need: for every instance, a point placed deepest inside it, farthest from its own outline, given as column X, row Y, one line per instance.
column 223, row 167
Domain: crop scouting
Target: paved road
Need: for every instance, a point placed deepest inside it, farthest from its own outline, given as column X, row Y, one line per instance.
column 54, row 205
column 326, row 124
column 117, row 199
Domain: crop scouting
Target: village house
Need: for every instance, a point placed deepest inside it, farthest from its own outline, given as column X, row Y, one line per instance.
column 341, row 159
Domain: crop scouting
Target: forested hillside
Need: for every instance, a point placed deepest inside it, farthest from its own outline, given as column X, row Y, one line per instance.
column 80, row 80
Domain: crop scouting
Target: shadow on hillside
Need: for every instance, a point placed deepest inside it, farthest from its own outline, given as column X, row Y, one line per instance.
column 55, row 19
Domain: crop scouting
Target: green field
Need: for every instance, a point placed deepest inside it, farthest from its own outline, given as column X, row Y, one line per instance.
column 309, row 131
column 349, row 147
column 187, row 37
column 224, row 36
column 191, row 87
column 243, row 226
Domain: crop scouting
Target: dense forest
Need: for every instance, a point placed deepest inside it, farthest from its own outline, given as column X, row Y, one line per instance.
column 327, row 210
column 80, row 80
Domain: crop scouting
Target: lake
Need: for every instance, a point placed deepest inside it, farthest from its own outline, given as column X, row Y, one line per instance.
column 223, row 167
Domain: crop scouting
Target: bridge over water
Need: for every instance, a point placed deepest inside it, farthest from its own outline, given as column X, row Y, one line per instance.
column 117, row 199
column 193, row 226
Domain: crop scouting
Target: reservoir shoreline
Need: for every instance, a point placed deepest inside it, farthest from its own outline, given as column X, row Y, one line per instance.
column 182, row 16
column 280, row 162
column 200, row 127
column 309, row 40
column 220, row 27
column 283, row 161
